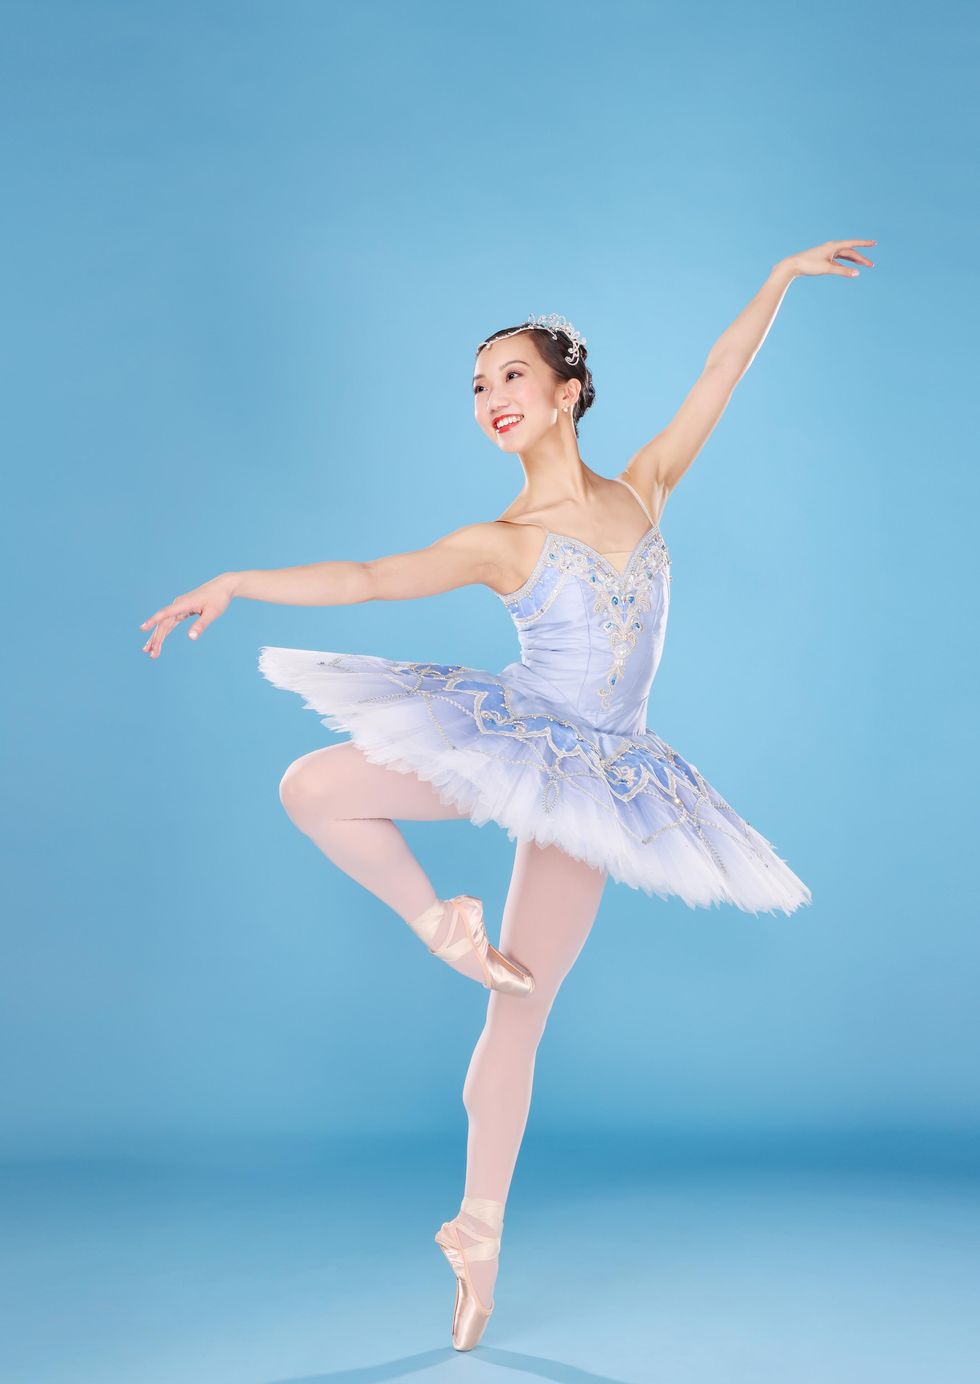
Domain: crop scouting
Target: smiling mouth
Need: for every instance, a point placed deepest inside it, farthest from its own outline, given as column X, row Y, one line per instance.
column 508, row 421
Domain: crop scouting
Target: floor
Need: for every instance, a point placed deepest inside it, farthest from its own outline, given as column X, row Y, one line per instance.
column 622, row 1261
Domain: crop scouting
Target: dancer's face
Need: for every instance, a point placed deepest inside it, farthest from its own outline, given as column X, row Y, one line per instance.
column 511, row 378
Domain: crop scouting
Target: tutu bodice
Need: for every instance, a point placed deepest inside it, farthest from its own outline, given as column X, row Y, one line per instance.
column 591, row 635
column 555, row 748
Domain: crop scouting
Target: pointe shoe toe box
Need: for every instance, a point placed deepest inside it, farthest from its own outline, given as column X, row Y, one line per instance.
column 468, row 936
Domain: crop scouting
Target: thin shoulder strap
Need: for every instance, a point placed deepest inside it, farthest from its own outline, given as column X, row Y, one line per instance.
column 653, row 522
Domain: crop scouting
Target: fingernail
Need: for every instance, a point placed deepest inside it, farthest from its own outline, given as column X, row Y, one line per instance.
column 193, row 634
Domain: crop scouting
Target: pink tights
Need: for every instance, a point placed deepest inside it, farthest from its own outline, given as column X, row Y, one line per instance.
column 345, row 804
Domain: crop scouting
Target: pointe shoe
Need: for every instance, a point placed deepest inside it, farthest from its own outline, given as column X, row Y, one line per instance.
column 470, row 1316
column 499, row 972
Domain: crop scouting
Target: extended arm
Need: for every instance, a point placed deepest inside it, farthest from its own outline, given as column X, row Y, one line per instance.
column 471, row 554
column 657, row 467
column 463, row 557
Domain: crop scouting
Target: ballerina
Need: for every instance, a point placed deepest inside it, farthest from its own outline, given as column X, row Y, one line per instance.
column 554, row 748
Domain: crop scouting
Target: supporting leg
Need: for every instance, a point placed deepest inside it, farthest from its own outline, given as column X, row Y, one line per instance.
column 552, row 903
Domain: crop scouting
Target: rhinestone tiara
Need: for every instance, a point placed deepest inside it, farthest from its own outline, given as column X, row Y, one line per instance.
column 550, row 322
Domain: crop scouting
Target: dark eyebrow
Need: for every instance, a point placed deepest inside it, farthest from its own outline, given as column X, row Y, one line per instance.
column 481, row 376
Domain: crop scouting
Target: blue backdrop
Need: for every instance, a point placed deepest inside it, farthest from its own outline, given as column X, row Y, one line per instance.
column 249, row 251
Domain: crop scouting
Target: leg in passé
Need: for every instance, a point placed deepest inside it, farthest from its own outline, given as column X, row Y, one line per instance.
column 345, row 804
column 551, row 906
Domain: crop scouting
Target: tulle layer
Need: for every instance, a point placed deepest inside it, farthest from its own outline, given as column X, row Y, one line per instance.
column 627, row 804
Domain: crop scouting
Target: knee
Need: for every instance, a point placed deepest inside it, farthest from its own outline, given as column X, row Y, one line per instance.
column 522, row 1018
column 514, row 1028
column 504, row 1059
column 304, row 788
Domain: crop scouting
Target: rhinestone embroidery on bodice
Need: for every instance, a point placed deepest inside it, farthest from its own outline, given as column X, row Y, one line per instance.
column 592, row 632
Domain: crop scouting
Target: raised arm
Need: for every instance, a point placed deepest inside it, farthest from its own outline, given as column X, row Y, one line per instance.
column 475, row 553
column 657, row 467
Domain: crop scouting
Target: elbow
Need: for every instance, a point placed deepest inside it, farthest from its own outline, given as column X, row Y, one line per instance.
column 364, row 583
column 727, row 369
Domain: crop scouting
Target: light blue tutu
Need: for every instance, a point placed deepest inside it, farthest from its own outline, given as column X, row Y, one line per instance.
column 555, row 748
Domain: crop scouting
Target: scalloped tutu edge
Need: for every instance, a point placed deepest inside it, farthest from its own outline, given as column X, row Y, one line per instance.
column 399, row 732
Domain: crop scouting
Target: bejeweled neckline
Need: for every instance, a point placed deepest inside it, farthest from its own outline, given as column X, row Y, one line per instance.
column 618, row 576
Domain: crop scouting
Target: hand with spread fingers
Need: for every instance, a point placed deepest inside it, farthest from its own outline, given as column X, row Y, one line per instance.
column 822, row 259
column 207, row 602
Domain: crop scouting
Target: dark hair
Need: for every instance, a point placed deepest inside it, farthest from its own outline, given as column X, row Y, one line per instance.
column 553, row 351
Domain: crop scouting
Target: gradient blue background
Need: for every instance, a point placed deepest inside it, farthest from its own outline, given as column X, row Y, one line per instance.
column 248, row 252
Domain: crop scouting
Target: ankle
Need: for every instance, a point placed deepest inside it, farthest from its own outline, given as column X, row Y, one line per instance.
column 482, row 1215
column 428, row 924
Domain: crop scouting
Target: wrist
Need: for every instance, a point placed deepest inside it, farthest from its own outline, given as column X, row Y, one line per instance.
column 785, row 270
column 232, row 582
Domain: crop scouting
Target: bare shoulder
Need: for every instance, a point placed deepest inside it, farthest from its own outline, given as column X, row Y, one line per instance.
column 523, row 543
column 487, row 554
column 505, row 550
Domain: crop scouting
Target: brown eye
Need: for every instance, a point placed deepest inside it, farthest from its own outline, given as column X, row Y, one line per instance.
column 507, row 376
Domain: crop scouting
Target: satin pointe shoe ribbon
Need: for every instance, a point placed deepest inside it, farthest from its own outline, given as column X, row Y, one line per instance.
column 468, row 933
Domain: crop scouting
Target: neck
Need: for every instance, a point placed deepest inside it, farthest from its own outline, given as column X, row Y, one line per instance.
column 554, row 472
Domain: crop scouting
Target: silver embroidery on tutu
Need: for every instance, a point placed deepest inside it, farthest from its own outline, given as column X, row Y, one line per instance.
column 555, row 748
